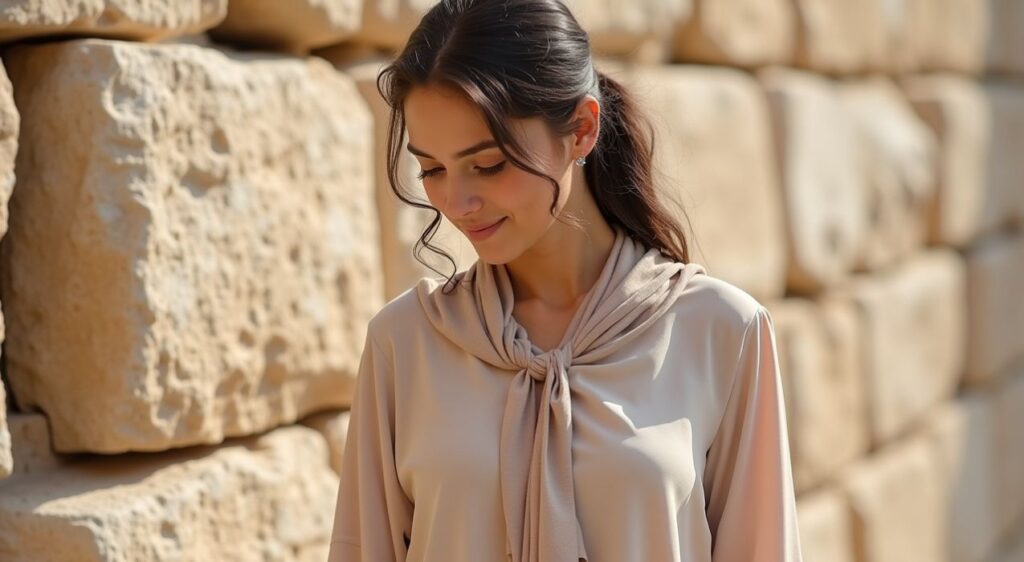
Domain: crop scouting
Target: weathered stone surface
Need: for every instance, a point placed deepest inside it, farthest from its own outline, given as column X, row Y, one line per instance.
column 744, row 33
column 638, row 29
column 296, row 26
column 265, row 498
column 962, row 435
column 31, row 448
column 899, row 155
column 955, row 109
column 1004, row 202
column 995, row 276
column 125, row 19
column 706, row 120
column 839, row 36
column 820, row 356
column 895, row 502
column 922, row 33
column 333, row 425
column 1005, row 49
column 914, row 319
column 192, row 251
column 822, row 184
column 1009, row 446
column 402, row 224
column 826, row 532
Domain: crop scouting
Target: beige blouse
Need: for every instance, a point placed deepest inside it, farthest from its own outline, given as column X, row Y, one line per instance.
column 654, row 432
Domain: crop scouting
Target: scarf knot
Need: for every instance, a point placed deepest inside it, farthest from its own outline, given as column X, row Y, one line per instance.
column 540, row 366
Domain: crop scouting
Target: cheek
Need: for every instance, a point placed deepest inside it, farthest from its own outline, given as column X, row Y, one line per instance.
column 527, row 194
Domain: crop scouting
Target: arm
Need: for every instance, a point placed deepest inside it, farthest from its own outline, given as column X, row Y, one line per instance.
column 373, row 514
column 751, row 504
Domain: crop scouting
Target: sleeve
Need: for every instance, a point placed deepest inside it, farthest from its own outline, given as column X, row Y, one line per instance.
column 748, row 481
column 373, row 515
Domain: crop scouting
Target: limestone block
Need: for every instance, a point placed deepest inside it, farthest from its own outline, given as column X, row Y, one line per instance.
column 636, row 29
column 826, row 532
column 1009, row 446
column 296, row 26
column 258, row 498
column 31, row 448
column 1004, row 203
column 962, row 435
column 1005, row 48
column 895, row 504
column 333, row 425
column 402, row 224
column 820, row 357
column 125, row 19
column 706, row 120
column 953, row 34
column 192, row 252
column 822, row 184
column 995, row 276
column 956, row 111
column 743, row 33
column 900, row 155
column 839, row 36
column 914, row 337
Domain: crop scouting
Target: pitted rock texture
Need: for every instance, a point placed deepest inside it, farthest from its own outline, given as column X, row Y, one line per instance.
column 295, row 26
column 906, row 376
column 127, row 19
column 258, row 498
column 195, row 242
column 738, row 32
column 823, row 186
column 955, row 109
column 899, row 154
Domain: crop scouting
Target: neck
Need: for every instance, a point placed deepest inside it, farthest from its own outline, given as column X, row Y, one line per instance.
column 562, row 266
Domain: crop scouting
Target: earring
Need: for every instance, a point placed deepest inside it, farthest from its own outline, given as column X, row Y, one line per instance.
column 581, row 161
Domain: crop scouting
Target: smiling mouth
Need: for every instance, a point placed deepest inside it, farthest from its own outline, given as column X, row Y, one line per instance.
column 486, row 227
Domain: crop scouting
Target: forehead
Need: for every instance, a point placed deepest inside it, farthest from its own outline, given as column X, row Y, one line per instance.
column 440, row 118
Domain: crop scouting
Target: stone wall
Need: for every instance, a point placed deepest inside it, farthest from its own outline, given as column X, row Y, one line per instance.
column 196, row 226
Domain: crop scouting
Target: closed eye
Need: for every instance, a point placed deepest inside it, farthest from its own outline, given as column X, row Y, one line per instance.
column 490, row 171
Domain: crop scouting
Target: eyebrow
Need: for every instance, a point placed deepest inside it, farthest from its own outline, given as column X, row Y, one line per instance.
column 482, row 145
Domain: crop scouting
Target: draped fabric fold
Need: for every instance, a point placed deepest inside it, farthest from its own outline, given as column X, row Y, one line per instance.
column 635, row 287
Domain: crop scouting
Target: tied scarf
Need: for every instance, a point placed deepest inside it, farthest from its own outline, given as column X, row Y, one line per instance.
column 635, row 287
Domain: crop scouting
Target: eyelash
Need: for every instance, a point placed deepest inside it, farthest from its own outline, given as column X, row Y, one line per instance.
column 483, row 171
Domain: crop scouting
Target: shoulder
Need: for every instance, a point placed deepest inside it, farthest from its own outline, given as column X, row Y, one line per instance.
column 723, row 306
column 719, row 313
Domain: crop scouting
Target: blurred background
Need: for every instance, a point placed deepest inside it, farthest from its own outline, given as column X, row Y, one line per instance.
column 197, row 226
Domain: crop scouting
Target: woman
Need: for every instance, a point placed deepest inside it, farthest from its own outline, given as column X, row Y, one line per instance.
column 581, row 392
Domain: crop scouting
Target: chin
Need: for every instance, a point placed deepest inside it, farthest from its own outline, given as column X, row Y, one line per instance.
column 497, row 254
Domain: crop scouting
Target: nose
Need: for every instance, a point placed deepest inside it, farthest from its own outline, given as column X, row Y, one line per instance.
column 462, row 199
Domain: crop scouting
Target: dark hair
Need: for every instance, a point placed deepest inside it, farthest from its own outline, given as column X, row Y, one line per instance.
column 523, row 59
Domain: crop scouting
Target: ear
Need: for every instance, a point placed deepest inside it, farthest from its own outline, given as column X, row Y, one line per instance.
column 588, row 117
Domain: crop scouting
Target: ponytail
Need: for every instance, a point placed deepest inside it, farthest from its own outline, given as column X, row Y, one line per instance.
column 621, row 177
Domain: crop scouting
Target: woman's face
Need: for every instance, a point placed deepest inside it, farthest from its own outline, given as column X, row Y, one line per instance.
column 471, row 182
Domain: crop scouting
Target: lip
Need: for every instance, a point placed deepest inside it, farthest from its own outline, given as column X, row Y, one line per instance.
column 486, row 232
